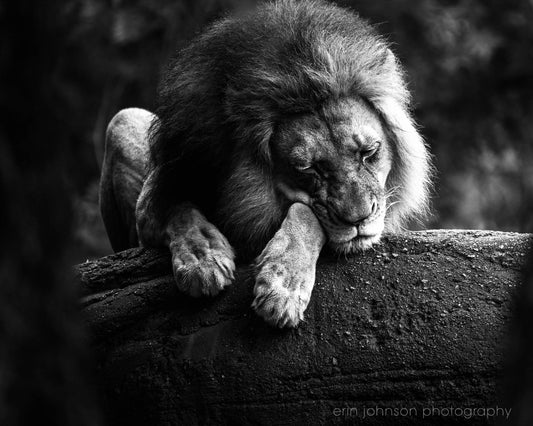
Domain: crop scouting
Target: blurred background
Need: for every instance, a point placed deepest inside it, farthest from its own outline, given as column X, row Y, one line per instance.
column 470, row 68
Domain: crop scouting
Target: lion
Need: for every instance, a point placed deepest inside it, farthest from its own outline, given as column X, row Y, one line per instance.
column 278, row 132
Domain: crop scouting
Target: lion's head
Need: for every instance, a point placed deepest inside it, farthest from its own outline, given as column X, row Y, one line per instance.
column 337, row 161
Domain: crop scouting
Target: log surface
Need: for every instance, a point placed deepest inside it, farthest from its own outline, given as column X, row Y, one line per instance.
column 419, row 322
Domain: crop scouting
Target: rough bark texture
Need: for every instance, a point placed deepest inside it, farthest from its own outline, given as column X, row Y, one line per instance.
column 418, row 323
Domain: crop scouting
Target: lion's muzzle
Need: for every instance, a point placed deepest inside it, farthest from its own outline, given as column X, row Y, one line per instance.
column 357, row 233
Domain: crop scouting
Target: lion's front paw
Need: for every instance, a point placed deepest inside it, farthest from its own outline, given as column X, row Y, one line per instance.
column 279, row 306
column 283, row 287
column 202, row 262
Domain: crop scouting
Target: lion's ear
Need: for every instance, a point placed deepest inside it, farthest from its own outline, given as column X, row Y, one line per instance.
column 410, row 175
column 263, row 135
column 255, row 138
column 253, row 120
column 389, row 60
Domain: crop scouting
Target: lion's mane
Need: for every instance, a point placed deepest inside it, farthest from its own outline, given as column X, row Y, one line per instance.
column 220, row 100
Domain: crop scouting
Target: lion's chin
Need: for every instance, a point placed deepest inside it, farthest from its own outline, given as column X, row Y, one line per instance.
column 357, row 244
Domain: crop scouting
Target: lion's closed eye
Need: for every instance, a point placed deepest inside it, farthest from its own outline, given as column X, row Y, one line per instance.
column 308, row 169
column 367, row 154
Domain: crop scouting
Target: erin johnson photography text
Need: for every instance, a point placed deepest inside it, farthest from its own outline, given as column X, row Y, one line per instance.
column 423, row 412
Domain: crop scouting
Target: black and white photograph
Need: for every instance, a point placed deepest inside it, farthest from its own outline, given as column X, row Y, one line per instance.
column 266, row 212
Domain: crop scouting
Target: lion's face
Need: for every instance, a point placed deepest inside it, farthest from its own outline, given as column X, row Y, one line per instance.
column 337, row 161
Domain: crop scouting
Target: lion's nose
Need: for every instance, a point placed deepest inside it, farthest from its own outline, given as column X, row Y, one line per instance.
column 354, row 216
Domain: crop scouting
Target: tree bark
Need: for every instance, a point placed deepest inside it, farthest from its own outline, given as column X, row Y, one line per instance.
column 418, row 323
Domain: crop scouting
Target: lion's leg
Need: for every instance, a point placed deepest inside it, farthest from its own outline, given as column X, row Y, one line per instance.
column 286, row 268
column 202, row 258
column 123, row 172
